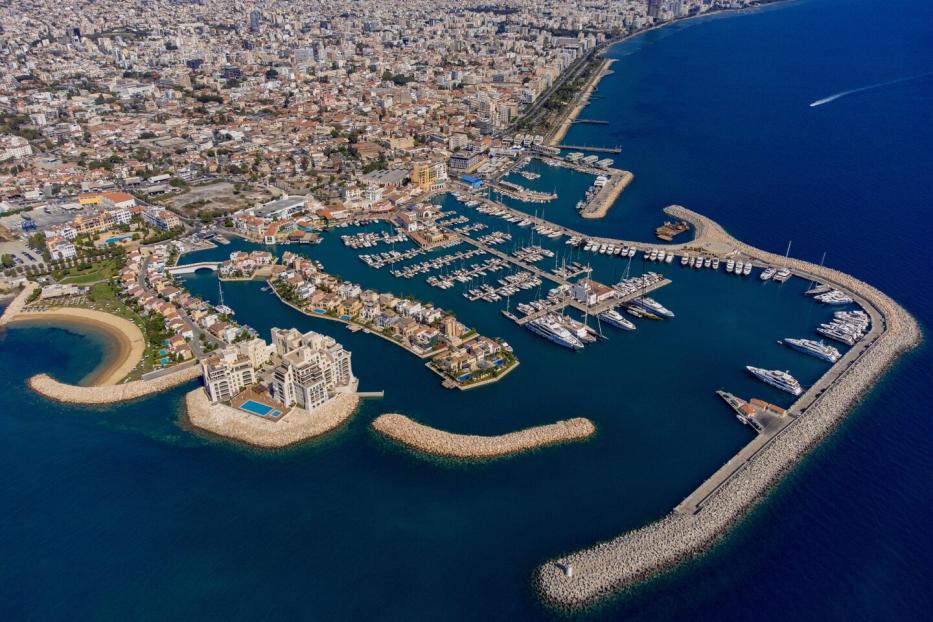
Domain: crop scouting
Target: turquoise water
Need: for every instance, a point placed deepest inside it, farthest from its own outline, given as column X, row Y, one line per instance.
column 123, row 513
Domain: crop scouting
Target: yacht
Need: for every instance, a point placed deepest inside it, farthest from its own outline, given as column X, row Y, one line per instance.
column 776, row 378
column 551, row 329
column 715, row 263
column 653, row 306
column 766, row 274
column 707, row 262
column 814, row 348
column 747, row 269
column 730, row 265
column 738, row 267
column 782, row 275
column 669, row 258
column 614, row 318
column 684, row 260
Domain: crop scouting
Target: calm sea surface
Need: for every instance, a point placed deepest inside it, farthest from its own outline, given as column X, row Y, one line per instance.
column 122, row 513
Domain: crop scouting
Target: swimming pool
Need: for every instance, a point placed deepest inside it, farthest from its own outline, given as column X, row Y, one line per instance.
column 256, row 408
column 118, row 238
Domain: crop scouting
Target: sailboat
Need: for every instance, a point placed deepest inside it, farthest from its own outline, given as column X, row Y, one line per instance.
column 222, row 308
column 784, row 273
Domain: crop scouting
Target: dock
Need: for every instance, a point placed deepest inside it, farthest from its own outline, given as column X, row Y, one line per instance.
column 596, row 309
column 591, row 121
column 615, row 150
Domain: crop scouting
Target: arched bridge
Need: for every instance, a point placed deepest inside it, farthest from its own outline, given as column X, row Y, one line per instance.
column 193, row 267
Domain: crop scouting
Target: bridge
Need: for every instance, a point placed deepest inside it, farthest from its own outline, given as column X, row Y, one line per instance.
column 193, row 267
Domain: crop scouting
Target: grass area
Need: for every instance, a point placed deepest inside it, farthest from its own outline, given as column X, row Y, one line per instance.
column 88, row 273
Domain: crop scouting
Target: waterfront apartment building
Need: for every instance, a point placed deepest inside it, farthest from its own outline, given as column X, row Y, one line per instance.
column 313, row 369
column 230, row 370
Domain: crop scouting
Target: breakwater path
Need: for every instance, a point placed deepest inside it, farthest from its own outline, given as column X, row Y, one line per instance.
column 436, row 442
column 111, row 394
column 579, row 579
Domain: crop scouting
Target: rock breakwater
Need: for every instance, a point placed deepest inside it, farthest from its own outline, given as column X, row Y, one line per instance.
column 111, row 394
column 436, row 442
column 579, row 579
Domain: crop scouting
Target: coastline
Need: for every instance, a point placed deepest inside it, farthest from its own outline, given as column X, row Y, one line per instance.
column 582, row 101
column 435, row 442
column 296, row 426
column 583, row 97
column 585, row 577
column 127, row 340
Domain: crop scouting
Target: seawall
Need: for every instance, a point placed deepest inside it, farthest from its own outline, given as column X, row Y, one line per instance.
column 295, row 426
column 579, row 579
column 48, row 387
column 420, row 437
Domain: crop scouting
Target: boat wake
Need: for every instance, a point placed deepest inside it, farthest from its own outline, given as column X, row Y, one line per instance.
column 870, row 87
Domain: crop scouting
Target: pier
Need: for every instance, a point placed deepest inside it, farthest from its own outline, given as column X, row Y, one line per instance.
column 591, row 121
column 615, row 150
column 596, row 309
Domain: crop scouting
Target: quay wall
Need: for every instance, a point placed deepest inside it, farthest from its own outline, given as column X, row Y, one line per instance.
column 436, row 442
column 48, row 387
column 579, row 579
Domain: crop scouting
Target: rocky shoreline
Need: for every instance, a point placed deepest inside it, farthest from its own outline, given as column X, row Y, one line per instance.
column 420, row 437
column 295, row 426
column 51, row 388
column 582, row 578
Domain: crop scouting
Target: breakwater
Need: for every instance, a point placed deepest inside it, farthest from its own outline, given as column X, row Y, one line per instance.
column 295, row 426
column 51, row 388
column 436, row 442
column 579, row 579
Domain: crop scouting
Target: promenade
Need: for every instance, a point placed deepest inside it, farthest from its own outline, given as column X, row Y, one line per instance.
column 579, row 579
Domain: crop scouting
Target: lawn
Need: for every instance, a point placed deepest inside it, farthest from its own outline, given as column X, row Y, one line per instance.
column 97, row 271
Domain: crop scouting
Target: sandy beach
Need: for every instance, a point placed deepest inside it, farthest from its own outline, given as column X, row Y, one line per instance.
column 128, row 341
column 582, row 101
column 436, row 442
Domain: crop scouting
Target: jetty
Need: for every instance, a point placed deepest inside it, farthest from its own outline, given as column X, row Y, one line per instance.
column 51, row 388
column 579, row 579
column 426, row 439
column 615, row 150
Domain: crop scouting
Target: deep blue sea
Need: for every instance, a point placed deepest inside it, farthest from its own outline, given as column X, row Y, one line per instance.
column 123, row 513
